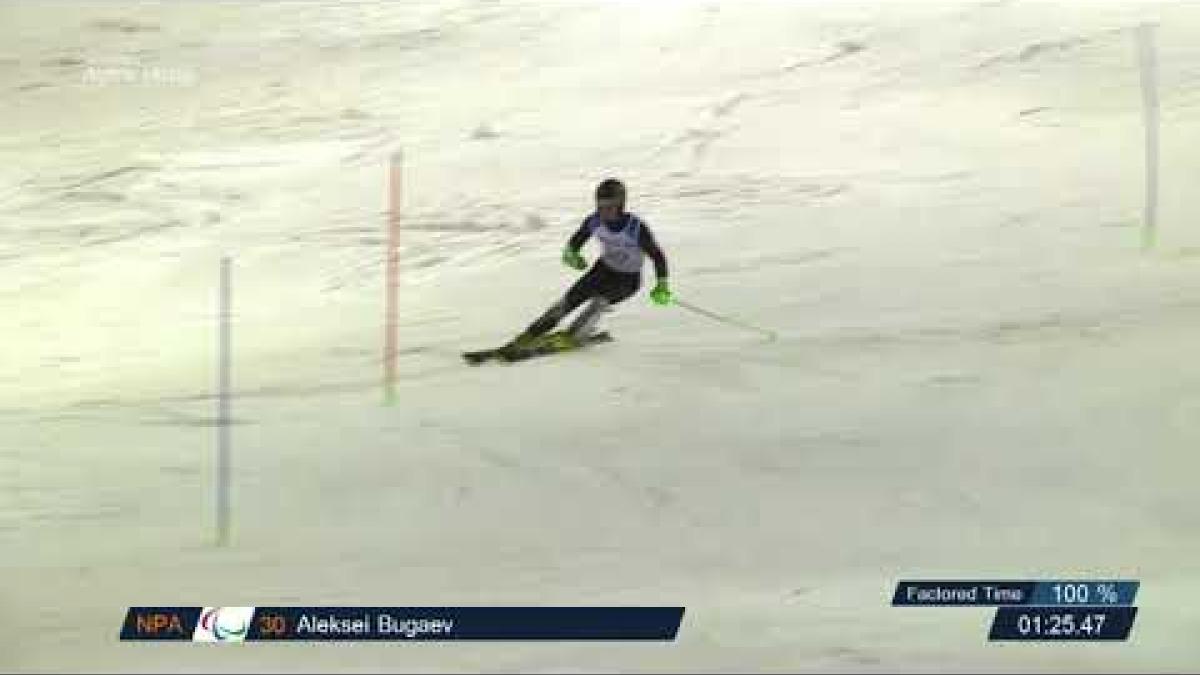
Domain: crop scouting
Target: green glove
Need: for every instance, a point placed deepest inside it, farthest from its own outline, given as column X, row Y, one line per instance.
column 661, row 295
column 571, row 258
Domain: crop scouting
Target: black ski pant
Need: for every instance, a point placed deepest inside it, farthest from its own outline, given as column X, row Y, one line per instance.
column 602, row 285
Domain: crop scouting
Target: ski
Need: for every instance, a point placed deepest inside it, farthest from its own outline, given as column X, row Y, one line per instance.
column 548, row 344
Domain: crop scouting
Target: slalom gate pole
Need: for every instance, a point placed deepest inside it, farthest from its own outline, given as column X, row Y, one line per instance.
column 391, row 278
column 224, row 396
column 1148, row 66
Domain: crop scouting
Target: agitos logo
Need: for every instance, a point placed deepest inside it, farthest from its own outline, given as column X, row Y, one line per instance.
column 223, row 624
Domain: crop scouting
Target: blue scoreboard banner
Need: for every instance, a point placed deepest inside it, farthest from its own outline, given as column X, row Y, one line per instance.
column 330, row 624
column 1078, row 622
column 1001, row 593
column 1033, row 610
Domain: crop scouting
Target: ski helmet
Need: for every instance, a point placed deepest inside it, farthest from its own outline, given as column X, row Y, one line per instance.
column 611, row 190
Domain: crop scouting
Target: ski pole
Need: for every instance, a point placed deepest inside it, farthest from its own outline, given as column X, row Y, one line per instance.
column 770, row 334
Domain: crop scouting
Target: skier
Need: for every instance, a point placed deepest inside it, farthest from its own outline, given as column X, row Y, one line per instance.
column 626, row 240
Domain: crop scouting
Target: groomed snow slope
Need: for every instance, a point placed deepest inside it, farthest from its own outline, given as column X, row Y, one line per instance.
column 935, row 205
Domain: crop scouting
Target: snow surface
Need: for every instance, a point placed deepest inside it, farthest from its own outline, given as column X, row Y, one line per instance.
column 936, row 205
